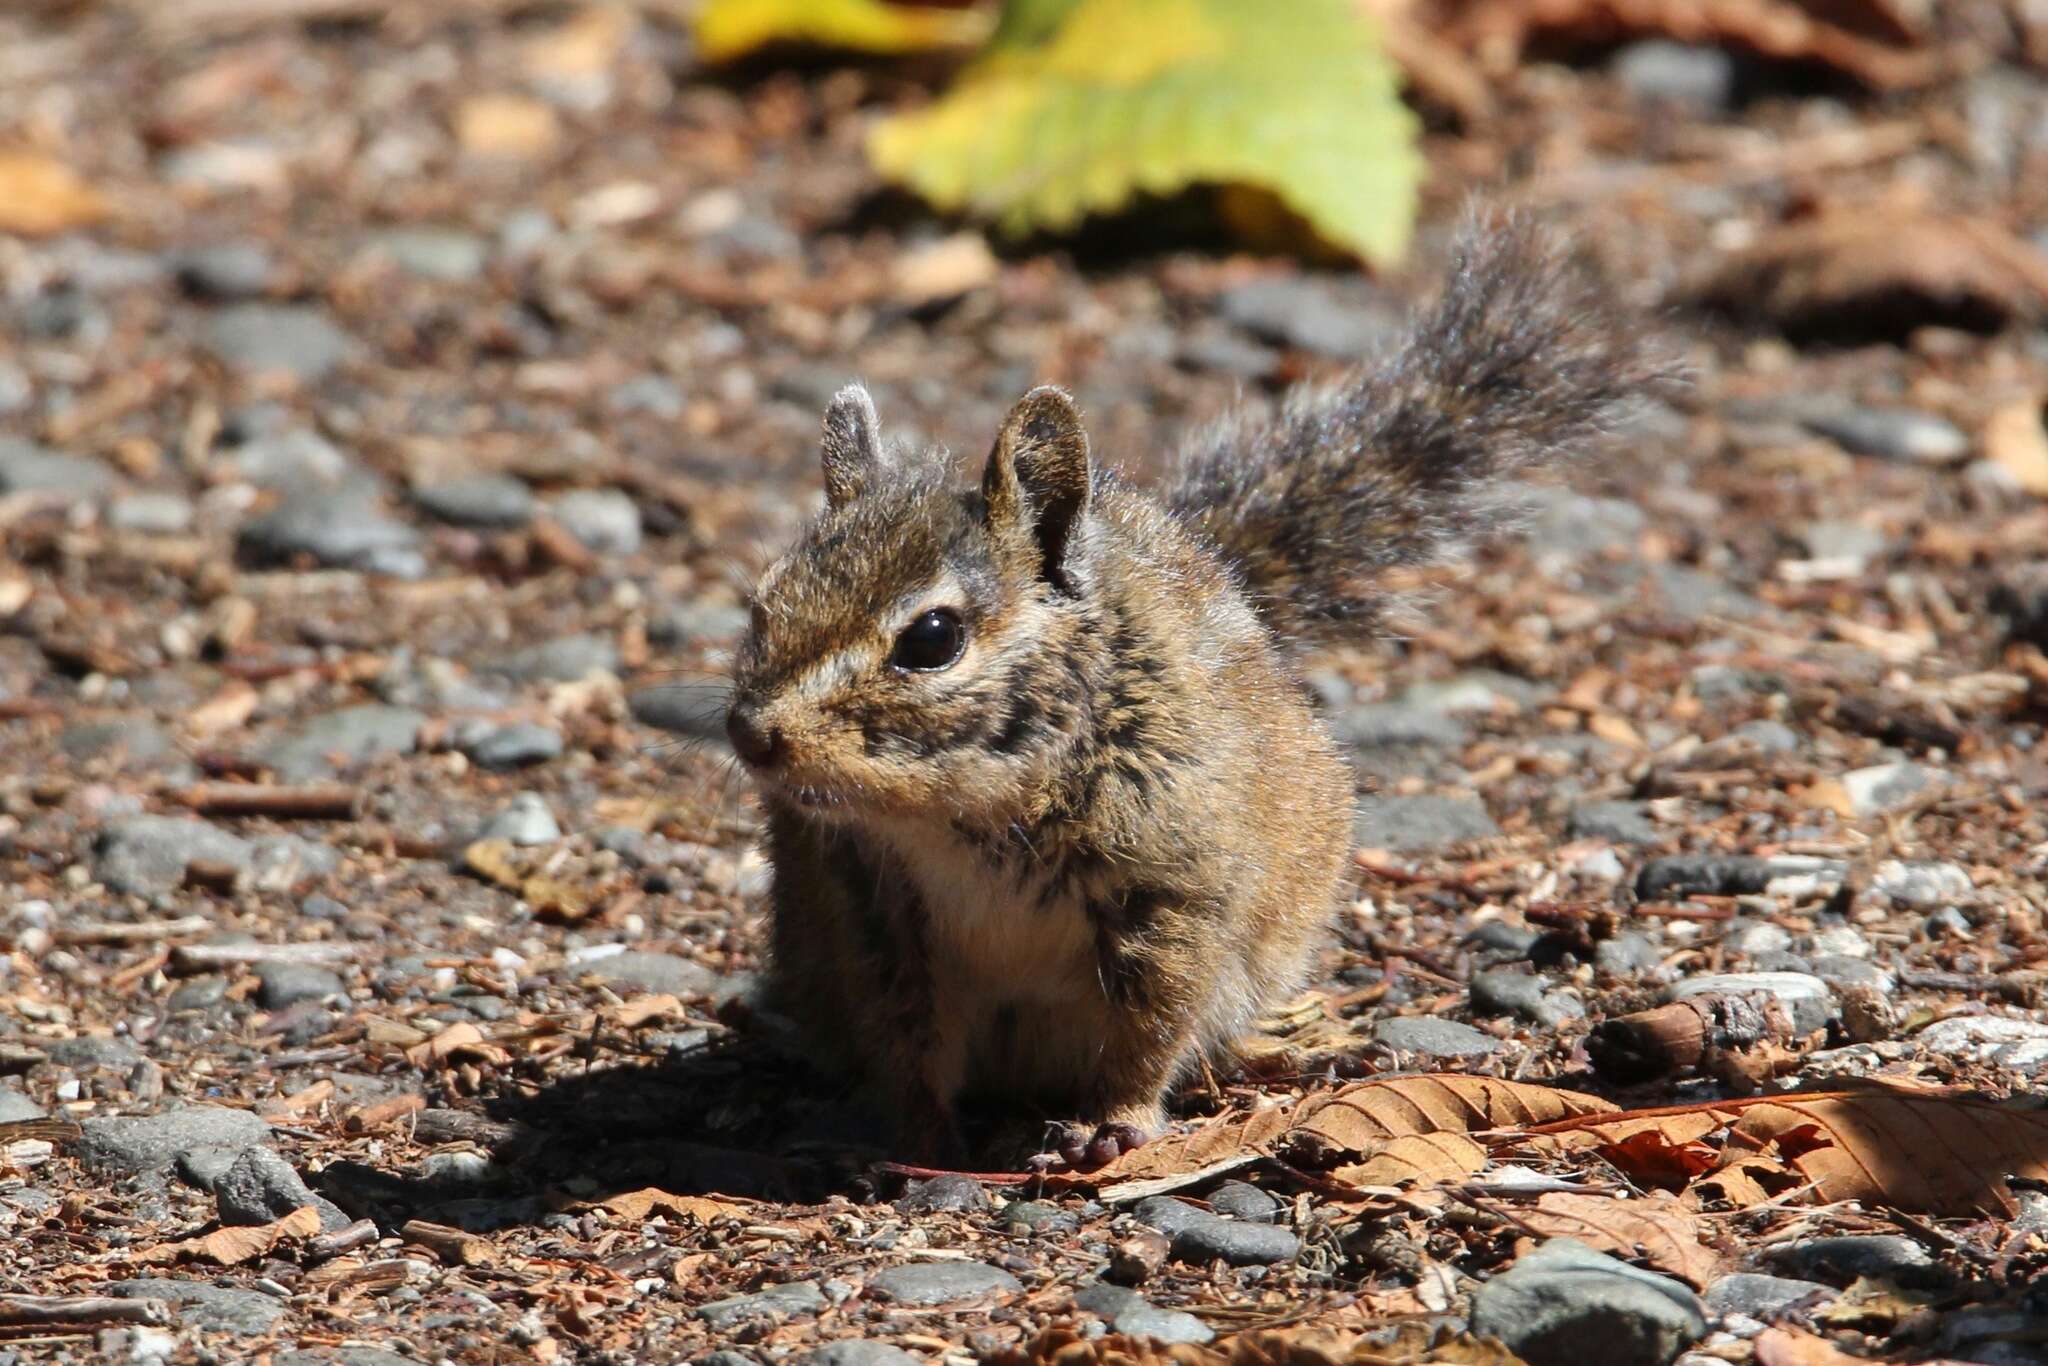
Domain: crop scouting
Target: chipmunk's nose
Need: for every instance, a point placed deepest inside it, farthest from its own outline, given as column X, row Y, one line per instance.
column 756, row 742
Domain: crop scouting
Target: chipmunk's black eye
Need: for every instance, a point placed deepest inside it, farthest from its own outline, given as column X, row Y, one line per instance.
column 934, row 641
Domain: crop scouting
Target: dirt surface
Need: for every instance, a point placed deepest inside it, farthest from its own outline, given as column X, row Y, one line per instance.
column 391, row 412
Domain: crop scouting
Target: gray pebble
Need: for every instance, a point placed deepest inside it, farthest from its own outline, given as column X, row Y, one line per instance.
column 1555, row 1302
column 1695, row 77
column 153, row 1142
column 526, row 820
column 298, row 339
column 225, row 270
column 1837, row 540
column 1754, row 937
column 1497, row 936
column 1921, row 885
column 659, row 972
column 1844, row 973
column 445, row 254
column 290, row 459
column 1035, row 1216
column 198, row 993
column 1766, row 737
column 202, row 1167
column 87, row 1051
column 790, row 1300
column 16, row 1106
column 951, row 1192
column 1242, row 1200
column 1883, row 788
column 1218, row 349
column 1842, row 1260
column 143, row 855
column 1764, row 1298
column 1573, row 526
column 1305, row 313
column 28, row 468
column 1691, row 595
column 1806, row 997
column 1894, row 434
column 1132, row 1315
column 606, row 521
column 1475, row 690
column 151, row 514
column 1617, row 822
column 261, row 1187
column 337, row 530
column 1201, row 1237
column 694, row 710
column 1627, row 954
column 686, row 623
column 1406, row 824
column 345, row 1356
column 1509, row 991
column 287, row 984
column 210, row 1308
column 2018, row 1044
column 352, row 735
column 133, row 741
column 486, row 501
column 655, row 395
column 1724, row 874
column 933, row 1283
column 856, row 1352
column 1431, row 1036
column 565, row 659
column 1377, row 725
column 491, row 745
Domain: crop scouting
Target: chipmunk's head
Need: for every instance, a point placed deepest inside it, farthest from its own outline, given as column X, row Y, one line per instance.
column 915, row 652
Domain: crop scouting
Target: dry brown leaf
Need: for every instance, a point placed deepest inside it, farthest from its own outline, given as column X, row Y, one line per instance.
column 40, row 196
column 506, row 126
column 1665, row 1151
column 1866, row 269
column 2016, row 440
column 640, row 1205
column 1417, row 1159
column 1873, row 52
column 499, row 861
column 638, row 1011
column 1218, row 1145
column 1939, row 1155
column 1788, row 1347
column 1657, row 1230
column 1414, row 1344
column 463, row 1040
column 1360, row 1117
column 233, row 1246
column 1745, row 1183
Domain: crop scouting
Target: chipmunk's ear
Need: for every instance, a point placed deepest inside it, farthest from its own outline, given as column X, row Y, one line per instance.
column 1038, row 475
column 852, row 446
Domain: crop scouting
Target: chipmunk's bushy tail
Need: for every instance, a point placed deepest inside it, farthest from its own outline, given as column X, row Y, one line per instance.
column 1518, row 364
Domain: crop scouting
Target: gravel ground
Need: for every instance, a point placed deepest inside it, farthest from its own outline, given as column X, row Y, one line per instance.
column 378, row 483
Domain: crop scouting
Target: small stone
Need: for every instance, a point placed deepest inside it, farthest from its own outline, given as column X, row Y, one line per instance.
column 1497, row 936
column 1691, row 595
column 1894, row 434
column 1201, row 1237
column 1380, row 725
column 1764, row 1298
column 298, row 339
column 1305, row 313
column 606, row 521
column 525, row 821
column 950, row 1192
column 660, row 972
column 1922, row 885
column 260, row 1187
column 1852, row 542
column 1132, row 1315
column 1883, row 788
column 1408, row 824
column 655, row 395
column 225, row 270
column 1509, row 991
column 693, row 710
column 1627, row 954
column 315, row 748
column 144, row 855
column 1225, row 352
column 287, row 984
column 934, row 1283
column 444, row 254
column 1755, row 937
column 150, row 514
column 1430, row 1036
column 689, row 623
column 1725, row 874
column 2019, row 1044
column 16, row 1106
column 88, row 1051
column 490, row 745
column 28, row 468
column 1840, row 1261
column 346, row 1356
column 198, row 993
column 1804, row 996
column 1617, row 822
column 209, row 1308
column 854, row 1352
column 486, row 501
column 1692, row 76
column 1948, row 923
column 295, row 460
column 1242, row 1200
column 1036, row 1216
column 132, row 741
column 793, row 1299
column 1845, row 974
column 202, row 1167
column 1766, row 737
column 153, row 1142
column 1836, row 941
column 1554, row 1302
column 565, row 659
column 1476, row 690
column 1571, row 526
column 339, row 531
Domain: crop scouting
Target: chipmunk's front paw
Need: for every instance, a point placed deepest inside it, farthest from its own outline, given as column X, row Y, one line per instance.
column 1084, row 1148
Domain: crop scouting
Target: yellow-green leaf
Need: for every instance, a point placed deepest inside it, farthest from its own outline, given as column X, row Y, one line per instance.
column 1077, row 105
column 732, row 28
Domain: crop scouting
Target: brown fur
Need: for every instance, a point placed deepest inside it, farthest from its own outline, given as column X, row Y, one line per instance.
column 1070, row 865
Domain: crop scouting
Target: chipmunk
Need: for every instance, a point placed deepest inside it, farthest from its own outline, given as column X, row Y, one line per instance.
column 1050, row 813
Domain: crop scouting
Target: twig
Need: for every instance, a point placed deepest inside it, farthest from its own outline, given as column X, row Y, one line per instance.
column 230, row 955
column 141, row 931
column 310, row 802
column 331, row 1245
column 38, row 1311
